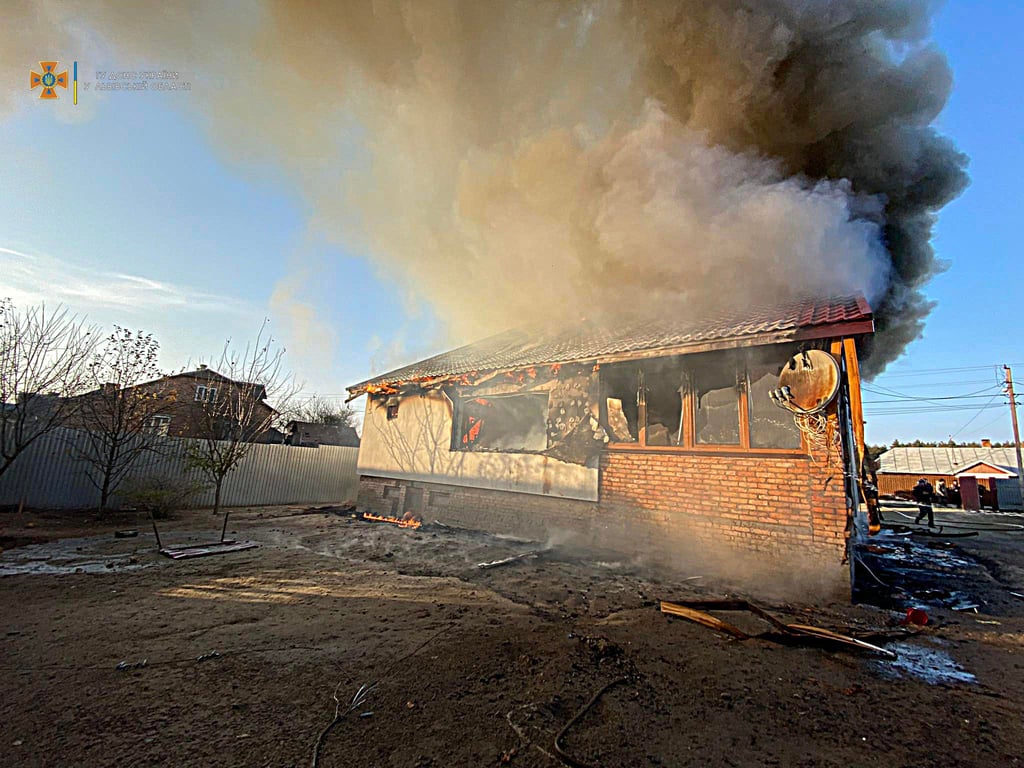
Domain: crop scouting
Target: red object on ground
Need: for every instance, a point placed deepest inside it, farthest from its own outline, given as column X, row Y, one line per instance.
column 916, row 616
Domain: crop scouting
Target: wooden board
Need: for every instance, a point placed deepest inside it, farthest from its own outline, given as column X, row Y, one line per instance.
column 784, row 632
column 705, row 619
column 184, row 553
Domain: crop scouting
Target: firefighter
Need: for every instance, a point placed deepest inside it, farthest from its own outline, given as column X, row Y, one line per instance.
column 923, row 494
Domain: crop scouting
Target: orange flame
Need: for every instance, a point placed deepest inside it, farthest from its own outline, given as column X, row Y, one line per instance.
column 393, row 520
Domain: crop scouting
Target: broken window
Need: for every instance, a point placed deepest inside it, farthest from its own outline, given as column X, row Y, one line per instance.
column 621, row 384
column 699, row 401
column 502, row 423
column 716, row 401
column 770, row 425
column 663, row 395
column 392, row 406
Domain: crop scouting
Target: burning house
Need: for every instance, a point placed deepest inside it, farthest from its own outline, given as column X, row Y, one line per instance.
column 638, row 435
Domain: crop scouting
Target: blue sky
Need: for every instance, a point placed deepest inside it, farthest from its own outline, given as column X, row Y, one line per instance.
column 124, row 210
column 977, row 323
column 89, row 206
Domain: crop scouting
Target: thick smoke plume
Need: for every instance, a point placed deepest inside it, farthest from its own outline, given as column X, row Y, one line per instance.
column 514, row 161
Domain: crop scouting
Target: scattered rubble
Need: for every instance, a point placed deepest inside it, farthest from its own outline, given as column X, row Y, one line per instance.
column 333, row 600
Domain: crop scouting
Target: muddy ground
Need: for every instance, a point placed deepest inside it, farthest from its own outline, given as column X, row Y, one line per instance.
column 243, row 654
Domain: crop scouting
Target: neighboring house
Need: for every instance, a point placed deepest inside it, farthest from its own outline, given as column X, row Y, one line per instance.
column 273, row 436
column 980, row 472
column 636, row 435
column 184, row 396
column 310, row 434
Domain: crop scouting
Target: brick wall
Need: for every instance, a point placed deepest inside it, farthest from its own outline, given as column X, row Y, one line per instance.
column 776, row 505
column 779, row 507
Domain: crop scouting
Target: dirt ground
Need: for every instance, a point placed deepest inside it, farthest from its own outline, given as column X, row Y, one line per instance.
column 234, row 660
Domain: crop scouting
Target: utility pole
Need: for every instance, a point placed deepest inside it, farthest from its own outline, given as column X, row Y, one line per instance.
column 1016, row 430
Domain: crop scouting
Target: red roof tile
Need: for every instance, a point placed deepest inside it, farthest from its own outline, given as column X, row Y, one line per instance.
column 591, row 342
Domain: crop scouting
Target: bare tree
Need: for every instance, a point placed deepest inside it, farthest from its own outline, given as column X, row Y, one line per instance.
column 230, row 421
column 117, row 415
column 43, row 362
column 319, row 410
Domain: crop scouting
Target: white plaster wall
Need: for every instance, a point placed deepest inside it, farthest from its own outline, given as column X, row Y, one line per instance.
column 416, row 446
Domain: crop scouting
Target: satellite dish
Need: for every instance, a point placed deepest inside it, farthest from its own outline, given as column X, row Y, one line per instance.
column 808, row 383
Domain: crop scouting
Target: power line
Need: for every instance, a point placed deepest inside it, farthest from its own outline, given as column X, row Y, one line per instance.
column 901, row 403
column 914, row 385
column 989, row 423
column 971, row 420
column 957, row 403
column 902, row 396
column 930, row 409
column 933, row 371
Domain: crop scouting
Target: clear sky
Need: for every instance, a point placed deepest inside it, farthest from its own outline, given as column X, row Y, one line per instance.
column 123, row 210
column 977, row 323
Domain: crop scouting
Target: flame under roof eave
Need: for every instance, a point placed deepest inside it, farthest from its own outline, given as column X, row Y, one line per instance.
column 859, row 327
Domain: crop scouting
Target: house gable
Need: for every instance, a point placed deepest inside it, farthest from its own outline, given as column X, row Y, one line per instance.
column 985, row 470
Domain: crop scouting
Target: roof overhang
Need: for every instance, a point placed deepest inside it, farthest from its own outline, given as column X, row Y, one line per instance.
column 856, row 328
column 756, row 340
column 853, row 319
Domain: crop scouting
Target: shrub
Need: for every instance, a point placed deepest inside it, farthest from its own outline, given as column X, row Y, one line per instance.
column 161, row 494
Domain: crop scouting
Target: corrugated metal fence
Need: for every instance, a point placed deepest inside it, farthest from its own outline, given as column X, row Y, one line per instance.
column 47, row 474
column 1009, row 494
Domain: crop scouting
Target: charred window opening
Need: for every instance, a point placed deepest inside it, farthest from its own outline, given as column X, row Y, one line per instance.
column 502, row 423
column 701, row 401
column 716, row 400
column 663, row 396
column 770, row 426
column 392, row 406
column 621, row 383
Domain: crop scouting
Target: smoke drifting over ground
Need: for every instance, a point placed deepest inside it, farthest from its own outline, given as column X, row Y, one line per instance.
column 516, row 161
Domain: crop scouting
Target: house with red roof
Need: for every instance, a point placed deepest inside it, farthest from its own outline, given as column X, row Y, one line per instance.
column 636, row 436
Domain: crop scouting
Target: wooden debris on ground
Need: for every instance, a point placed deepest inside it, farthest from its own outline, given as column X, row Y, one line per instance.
column 697, row 612
column 512, row 559
column 202, row 550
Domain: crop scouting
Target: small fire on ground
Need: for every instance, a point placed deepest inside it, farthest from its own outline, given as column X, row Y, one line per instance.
column 401, row 522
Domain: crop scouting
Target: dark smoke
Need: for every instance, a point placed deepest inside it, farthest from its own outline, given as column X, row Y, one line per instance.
column 549, row 160
column 846, row 91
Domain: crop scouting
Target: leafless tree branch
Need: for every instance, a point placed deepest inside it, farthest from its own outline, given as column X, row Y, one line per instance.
column 318, row 410
column 44, row 359
column 229, row 424
column 127, row 392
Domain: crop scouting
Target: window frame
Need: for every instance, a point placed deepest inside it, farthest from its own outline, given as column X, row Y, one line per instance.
column 689, row 444
column 159, row 424
column 205, row 394
column 457, row 414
